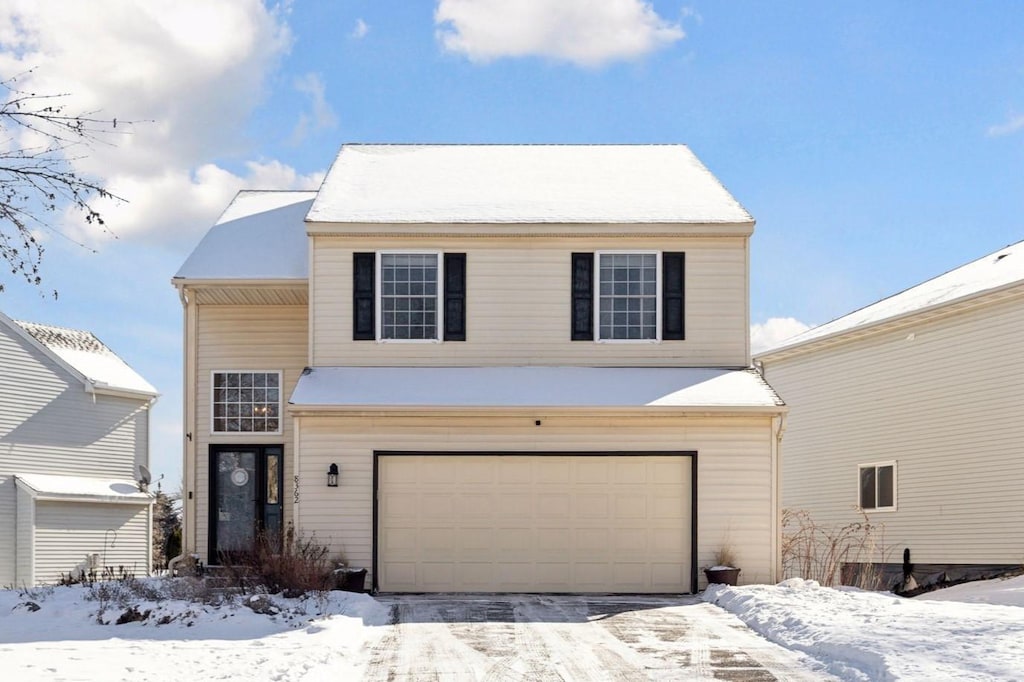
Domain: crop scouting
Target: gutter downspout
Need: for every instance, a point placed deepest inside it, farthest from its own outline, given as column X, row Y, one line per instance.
column 778, row 429
column 188, row 472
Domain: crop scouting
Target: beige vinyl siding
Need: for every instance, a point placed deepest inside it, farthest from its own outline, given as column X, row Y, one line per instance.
column 943, row 400
column 734, row 481
column 67, row 532
column 266, row 338
column 518, row 304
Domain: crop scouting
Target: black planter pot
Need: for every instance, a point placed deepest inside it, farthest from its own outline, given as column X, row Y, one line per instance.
column 722, row 576
column 350, row 579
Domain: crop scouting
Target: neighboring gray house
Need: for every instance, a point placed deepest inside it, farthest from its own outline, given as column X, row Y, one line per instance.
column 74, row 428
column 910, row 409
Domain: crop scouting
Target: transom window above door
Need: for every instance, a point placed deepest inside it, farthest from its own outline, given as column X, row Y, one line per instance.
column 246, row 401
column 408, row 296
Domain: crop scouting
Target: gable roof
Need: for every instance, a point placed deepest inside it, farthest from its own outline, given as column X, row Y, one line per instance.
column 422, row 183
column 706, row 389
column 1002, row 269
column 84, row 355
column 260, row 235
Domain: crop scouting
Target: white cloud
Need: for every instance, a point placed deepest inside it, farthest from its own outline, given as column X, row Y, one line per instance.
column 1015, row 124
column 583, row 32
column 360, row 30
column 773, row 331
column 189, row 71
column 320, row 116
column 178, row 205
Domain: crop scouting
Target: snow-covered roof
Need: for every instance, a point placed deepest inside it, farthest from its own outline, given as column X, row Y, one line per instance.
column 85, row 354
column 1000, row 269
column 598, row 387
column 71, row 488
column 261, row 235
column 375, row 183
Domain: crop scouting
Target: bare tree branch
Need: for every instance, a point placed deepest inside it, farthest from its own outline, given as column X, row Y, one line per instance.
column 40, row 141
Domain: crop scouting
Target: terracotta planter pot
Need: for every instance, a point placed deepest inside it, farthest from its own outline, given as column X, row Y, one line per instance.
column 722, row 576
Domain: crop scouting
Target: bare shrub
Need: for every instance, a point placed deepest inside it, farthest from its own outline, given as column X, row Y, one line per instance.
column 817, row 552
column 725, row 556
column 292, row 564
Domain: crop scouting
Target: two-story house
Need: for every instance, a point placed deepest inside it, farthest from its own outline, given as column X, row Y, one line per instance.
column 485, row 368
column 74, row 430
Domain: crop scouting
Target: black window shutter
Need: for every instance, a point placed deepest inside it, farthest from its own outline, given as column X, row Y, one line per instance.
column 582, row 297
column 673, row 277
column 363, row 275
column 454, row 297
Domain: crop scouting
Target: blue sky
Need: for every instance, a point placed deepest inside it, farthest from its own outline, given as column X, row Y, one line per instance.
column 877, row 144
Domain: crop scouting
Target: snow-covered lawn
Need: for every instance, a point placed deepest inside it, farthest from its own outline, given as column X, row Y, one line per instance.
column 66, row 633
column 879, row 636
column 73, row 637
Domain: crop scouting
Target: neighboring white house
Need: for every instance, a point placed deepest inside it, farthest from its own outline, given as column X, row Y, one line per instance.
column 912, row 410
column 484, row 368
column 74, row 428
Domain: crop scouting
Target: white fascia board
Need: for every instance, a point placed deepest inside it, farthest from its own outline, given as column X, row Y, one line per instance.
column 532, row 229
column 546, row 411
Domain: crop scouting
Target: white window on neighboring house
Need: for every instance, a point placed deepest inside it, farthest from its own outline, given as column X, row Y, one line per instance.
column 627, row 296
column 877, row 486
column 246, row 402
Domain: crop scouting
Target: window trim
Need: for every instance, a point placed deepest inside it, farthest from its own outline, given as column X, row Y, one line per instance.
column 895, row 485
column 379, row 290
column 280, row 403
column 658, row 304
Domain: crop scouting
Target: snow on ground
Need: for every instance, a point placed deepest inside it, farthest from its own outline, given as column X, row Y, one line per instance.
column 73, row 636
column 71, row 633
column 1008, row 591
column 878, row 636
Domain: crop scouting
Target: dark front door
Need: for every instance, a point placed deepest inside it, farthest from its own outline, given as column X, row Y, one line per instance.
column 245, row 497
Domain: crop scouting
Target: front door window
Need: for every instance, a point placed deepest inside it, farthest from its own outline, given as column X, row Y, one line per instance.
column 245, row 496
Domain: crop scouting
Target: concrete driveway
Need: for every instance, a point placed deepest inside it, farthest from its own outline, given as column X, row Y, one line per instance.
column 543, row 637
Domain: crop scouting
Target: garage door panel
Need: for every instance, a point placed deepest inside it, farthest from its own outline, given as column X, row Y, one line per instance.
column 592, row 506
column 539, row 523
column 631, row 506
column 554, row 505
column 475, row 471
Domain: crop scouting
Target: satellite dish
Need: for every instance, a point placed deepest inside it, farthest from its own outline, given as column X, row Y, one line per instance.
column 144, row 476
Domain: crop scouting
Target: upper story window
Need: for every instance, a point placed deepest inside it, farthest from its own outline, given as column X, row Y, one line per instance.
column 246, row 402
column 409, row 296
column 877, row 483
column 627, row 296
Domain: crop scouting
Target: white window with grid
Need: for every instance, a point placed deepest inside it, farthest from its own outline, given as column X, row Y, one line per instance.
column 627, row 296
column 246, row 402
column 409, row 289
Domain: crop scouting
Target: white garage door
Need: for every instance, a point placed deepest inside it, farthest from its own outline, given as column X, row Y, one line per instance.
column 534, row 523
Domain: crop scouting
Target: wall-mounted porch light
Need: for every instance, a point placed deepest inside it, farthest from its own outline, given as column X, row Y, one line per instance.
column 332, row 476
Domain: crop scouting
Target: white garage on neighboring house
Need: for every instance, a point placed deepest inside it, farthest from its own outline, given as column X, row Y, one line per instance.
column 74, row 430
